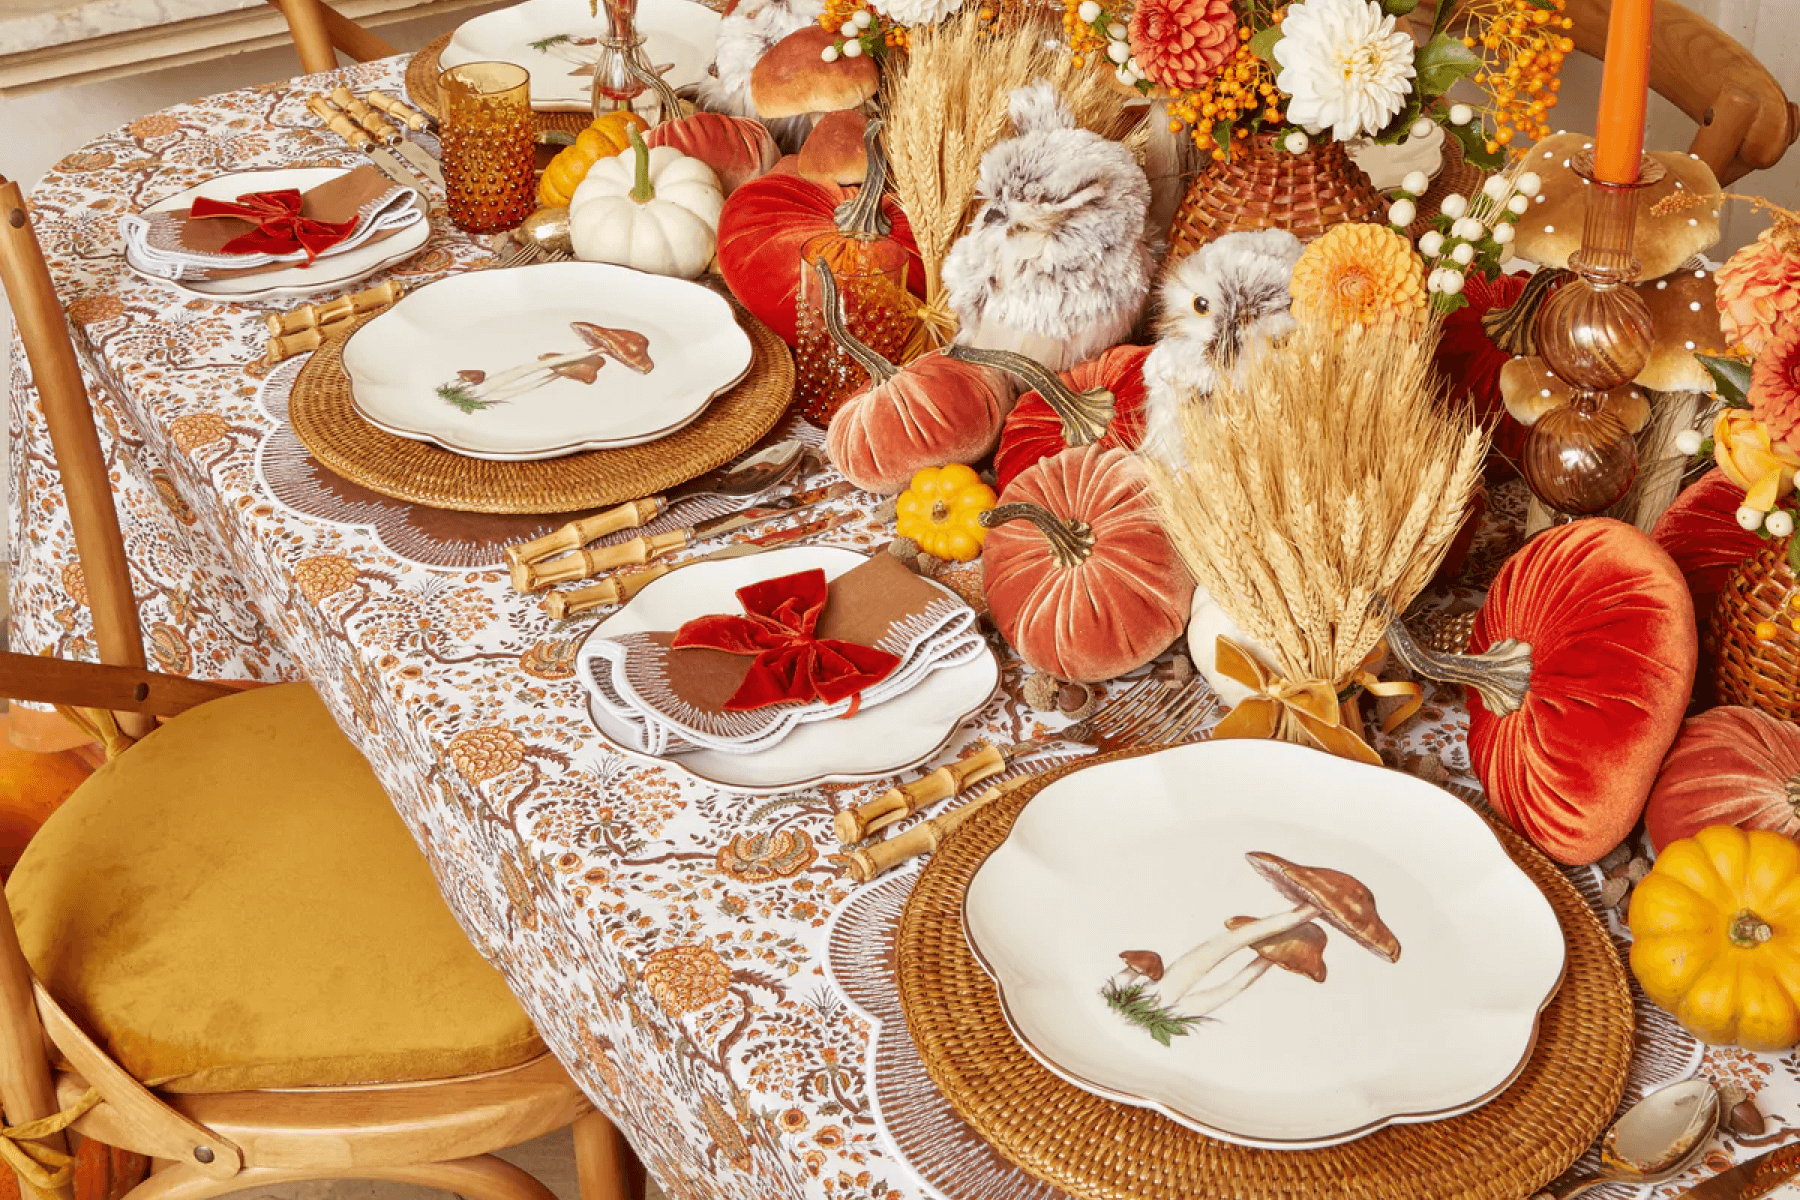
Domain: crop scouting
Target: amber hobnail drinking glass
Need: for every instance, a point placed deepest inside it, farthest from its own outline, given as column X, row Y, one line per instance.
column 877, row 308
column 489, row 140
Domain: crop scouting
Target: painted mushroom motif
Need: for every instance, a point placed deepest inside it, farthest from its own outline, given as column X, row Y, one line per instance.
column 1167, row 999
column 474, row 391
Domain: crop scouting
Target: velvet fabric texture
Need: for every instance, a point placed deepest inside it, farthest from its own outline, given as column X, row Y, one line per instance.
column 1033, row 431
column 279, row 227
column 935, row 410
column 1613, row 647
column 1470, row 362
column 233, row 903
column 791, row 666
column 1701, row 533
column 1729, row 766
column 1112, row 611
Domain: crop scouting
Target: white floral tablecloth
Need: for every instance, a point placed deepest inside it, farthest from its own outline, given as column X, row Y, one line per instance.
column 668, row 939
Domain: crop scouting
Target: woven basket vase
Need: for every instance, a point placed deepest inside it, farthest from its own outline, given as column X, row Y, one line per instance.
column 1263, row 186
column 1759, row 674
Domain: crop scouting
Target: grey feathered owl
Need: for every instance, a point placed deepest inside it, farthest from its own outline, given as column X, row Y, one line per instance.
column 1225, row 298
column 1054, row 265
column 753, row 27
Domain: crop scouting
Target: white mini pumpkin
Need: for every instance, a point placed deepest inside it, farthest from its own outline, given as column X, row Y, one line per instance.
column 1206, row 622
column 654, row 210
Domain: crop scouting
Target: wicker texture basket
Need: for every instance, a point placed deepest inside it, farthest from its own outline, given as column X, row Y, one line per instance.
column 1755, row 673
column 1263, row 186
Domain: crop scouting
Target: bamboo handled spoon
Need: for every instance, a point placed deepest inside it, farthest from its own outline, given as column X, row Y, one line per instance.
column 1657, row 1139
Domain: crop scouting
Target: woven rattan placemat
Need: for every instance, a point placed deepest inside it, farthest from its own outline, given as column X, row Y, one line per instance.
column 1100, row 1149
column 422, row 72
column 325, row 418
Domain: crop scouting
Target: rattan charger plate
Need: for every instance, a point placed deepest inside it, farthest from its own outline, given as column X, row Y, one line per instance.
column 325, row 419
column 1099, row 1149
column 422, row 72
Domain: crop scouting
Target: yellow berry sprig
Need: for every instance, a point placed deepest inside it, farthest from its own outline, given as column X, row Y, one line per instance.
column 1522, row 45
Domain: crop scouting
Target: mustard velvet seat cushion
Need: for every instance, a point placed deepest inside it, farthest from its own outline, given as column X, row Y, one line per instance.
column 234, row 904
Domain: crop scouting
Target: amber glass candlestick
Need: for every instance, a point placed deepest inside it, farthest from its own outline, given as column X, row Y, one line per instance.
column 1595, row 334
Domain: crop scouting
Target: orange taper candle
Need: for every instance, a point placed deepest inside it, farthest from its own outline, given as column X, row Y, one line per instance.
column 1624, row 92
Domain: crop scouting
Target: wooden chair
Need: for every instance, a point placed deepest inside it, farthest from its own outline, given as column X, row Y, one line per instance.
column 225, row 951
column 1746, row 120
column 319, row 31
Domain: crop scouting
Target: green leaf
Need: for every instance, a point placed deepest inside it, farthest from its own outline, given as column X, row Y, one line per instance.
column 1138, row 1005
column 1446, row 12
column 1794, row 555
column 1263, row 44
column 544, row 44
column 1731, row 376
column 1398, row 8
column 1398, row 128
column 1221, row 132
column 1440, row 63
column 1473, row 137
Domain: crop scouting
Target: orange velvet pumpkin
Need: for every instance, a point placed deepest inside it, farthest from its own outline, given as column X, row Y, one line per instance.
column 738, row 149
column 937, row 409
column 1099, row 402
column 767, row 221
column 1612, row 647
column 1078, row 573
column 1729, row 766
column 102, row 1172
column 1701, row 533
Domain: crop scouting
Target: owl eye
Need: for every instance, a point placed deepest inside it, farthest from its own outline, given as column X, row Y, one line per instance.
column 993, row 216
column 1202, row 305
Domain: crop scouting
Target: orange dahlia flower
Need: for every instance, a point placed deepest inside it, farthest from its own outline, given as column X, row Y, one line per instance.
column 1759, row 288
column 1358, row 275
column 1182, row 43
column 1775, row 383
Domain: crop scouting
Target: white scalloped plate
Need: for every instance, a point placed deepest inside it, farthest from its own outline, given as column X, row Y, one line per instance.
column 1149, row 854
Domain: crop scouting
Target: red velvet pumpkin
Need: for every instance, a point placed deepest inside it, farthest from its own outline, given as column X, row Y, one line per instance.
column 1103, row 396
column 767, row 221
column 1729, row 766
column 935, row 410
column 1701, row 533
column 1612, row 642
column 1078, row 573
column 738, row 149
column 102, row 1172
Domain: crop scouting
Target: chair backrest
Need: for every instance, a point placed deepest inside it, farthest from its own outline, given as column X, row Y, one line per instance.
column 320, row 31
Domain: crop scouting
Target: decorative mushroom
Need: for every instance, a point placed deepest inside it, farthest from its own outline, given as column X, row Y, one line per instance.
column 1300, row 950
column 1318, row 894
column 794, row 80
column 1531, row 389
column 1549, row 231
column 477, row 390
column 834, row 150
column 1684, row 315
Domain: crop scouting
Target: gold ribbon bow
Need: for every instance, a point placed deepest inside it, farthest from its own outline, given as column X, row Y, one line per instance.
column 1311, row 706
column 44, row 1167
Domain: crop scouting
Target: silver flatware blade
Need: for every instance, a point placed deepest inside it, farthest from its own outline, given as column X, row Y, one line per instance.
column 393, row 168
column 1749, row 1180
column 417, row 156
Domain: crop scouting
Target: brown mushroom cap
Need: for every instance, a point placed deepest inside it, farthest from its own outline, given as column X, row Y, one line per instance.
column 1300, row 950
column 1343, row 902
column 792, row 80
column 1147, row 963
column 834, row 151
column 1550, row 229
column 1684, row 312
column 1531, row 389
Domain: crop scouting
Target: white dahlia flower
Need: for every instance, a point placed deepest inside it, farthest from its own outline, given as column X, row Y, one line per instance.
column 1344, row 65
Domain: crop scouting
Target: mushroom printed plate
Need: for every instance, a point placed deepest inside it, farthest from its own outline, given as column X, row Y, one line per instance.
column 541, row 361
column 874, row 743
column 558, row 42
column 1265, row 943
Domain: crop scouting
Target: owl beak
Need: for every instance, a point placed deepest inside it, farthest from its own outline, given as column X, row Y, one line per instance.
column 1229, row 342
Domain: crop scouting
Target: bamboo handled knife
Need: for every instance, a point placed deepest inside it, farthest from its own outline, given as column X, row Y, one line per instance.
column 387, row 134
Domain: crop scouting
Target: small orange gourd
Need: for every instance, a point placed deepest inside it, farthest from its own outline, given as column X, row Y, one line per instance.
column 607, row 136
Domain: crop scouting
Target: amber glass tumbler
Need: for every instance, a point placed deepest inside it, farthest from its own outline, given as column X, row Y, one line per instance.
column 489, row 140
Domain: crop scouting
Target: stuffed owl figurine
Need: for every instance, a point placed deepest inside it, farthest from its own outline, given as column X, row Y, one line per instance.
column 1054, row 265
column 1229, row 296
column 744, row 37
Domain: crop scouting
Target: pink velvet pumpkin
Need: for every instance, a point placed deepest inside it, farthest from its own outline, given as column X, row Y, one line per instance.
column 1568, row 749
column 738, row 149
column 1078, row 573
column 934, row 410
column 1729, row 766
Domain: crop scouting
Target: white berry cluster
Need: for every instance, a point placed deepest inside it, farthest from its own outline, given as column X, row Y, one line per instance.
column 1471, row 232
column 852, row 33
column 1777, row 522
column 1118, row 45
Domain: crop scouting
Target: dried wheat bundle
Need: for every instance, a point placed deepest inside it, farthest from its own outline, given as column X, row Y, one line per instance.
column 1327, row 480
column 946, row 104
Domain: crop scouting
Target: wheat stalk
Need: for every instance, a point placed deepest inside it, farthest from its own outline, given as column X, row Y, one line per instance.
column 1323, row 487
column 946, row 104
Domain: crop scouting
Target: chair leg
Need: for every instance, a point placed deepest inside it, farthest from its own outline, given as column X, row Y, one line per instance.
column 482, row 1177
column 605, row 1166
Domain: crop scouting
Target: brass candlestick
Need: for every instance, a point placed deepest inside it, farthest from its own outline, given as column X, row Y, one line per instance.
column 1595, row 334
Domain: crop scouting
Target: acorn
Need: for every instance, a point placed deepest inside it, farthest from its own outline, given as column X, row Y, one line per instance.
column 1745, row 1120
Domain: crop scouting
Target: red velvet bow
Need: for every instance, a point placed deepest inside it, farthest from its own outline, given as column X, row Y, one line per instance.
column 280, row 229
column 791, row 664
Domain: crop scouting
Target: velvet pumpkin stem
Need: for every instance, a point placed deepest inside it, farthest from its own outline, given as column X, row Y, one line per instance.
column 1071, row 540
column 1501, row 674
column 1084, row 415
column 860, row 216
column 880, row 369
column 1514, row 328
column 643, row 191
column 665, row 95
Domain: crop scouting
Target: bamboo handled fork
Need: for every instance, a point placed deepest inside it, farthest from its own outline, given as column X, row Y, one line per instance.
column 1153, row 712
